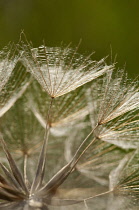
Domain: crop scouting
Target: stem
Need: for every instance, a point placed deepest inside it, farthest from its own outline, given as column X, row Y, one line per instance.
column 84, row 151
column 48, row 125
column 25, row 169
column 48, row 118
column 74, row 160
column 37, row 182
column 104, row 193
column 62, row 174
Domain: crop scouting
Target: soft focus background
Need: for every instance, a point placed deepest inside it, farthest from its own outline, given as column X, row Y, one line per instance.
column 101, row 24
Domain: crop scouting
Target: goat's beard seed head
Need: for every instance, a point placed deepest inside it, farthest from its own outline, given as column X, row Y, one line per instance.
column 91, row 124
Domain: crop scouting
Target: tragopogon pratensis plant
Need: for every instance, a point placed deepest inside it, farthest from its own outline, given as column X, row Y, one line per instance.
column 69, row 131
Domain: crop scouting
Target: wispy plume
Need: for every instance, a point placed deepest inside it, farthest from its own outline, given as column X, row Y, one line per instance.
column 66, row 144
column 8, row 61
column 61, row 70
column 14, row 79
column 115, row 105
column 124, row 182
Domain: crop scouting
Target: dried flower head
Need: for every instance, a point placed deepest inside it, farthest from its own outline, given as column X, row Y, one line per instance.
column 88, row 134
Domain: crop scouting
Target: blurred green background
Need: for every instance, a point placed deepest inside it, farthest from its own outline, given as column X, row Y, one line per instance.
column 101, row 24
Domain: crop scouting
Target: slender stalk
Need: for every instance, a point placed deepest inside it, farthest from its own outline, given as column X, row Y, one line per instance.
column 74, row 160
column 86, row 148
column 104, row 193
column 48, row 118
column 25, row 169
column 37, row 182
column 62, row 175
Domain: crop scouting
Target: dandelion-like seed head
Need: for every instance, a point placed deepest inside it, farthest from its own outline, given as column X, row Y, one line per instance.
column 84, row 137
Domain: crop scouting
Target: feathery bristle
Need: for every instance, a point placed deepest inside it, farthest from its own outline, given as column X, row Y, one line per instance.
column 88, row 134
